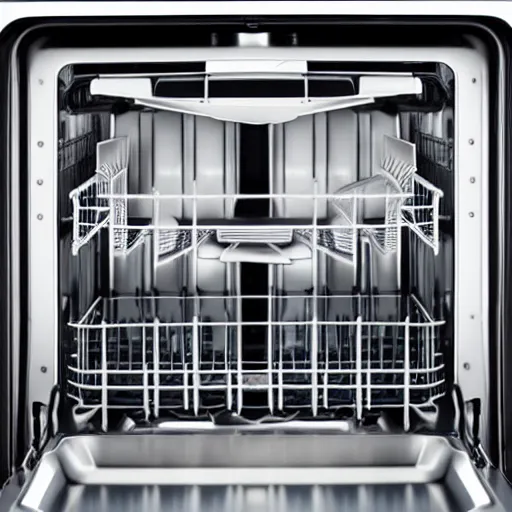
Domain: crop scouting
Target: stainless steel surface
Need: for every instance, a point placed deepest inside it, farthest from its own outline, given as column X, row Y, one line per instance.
column 233, row 471
column 356, row 498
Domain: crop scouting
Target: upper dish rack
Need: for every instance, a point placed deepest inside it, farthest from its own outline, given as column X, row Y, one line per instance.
column 376, row 207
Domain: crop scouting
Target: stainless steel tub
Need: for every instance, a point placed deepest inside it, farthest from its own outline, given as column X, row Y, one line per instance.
column 256, row 472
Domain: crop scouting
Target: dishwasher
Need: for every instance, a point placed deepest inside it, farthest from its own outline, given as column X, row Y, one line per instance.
column 259, row 268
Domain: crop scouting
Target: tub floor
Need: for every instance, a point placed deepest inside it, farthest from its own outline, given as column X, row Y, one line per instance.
column 433, row 497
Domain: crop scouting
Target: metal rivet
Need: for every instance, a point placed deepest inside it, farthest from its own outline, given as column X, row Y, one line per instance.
column 474, row 80
column 44, row 369
column 466, row 366
column 39, row 216
column 471, row 142
column 39, row 182
column 40, row 144
column 472, row 180
column 471, row 214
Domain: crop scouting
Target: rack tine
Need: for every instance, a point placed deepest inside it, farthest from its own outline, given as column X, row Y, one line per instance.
column 359, row 389
column 280, row 382
column 239, row 377
column 156, row 367
column 314, row 326
column 407, row 376
column 183, row 351
column 145, row 377
column 270, row 348
column 326, row 369
column 368, row 369
column 195, row 364
column 104, row 379
column 227, row 366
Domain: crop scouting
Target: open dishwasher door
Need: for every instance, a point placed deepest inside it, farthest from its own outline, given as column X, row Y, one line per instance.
column 282, row 470
column 256, row 242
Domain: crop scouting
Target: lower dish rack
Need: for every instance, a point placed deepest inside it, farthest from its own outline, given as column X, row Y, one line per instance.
column 161, row 353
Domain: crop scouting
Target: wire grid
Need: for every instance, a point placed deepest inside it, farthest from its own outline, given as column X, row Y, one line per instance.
column 115, row 181
column 342, row 239
column 173, row 243
column 386, row 238
column 90, row 211
column 103, row 201
column 76, row 160
column 421, row 212
column 350, row 201
column 417, row 208
column 336, row 241
column 153, row 353
column 435, row 164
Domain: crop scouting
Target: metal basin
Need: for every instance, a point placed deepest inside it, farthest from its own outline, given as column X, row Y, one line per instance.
column 231, row 471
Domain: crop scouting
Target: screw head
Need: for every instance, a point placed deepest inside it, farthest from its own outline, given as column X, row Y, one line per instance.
column 466, row 366
column 44, row 369
column 39, row 182
column 471, row 141
column 471, row 214
column 40, row 144
column 472, row 317
column 39, row 216
column 473, row 80
column 472, row 180
column 41, row 81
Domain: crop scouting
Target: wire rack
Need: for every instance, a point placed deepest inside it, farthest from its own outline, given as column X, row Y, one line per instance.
column 101, row 201
column 435, row 162
column 160, row 353
column 155, row 353
column 378, row 206
column 92, row 209
column 76, row 164
column 79, row 136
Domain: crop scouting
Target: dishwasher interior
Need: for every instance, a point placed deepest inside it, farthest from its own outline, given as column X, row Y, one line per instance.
column 273, row 243
column 256, row 284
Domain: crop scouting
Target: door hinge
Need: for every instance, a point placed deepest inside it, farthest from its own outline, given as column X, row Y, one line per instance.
column 470, row 434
